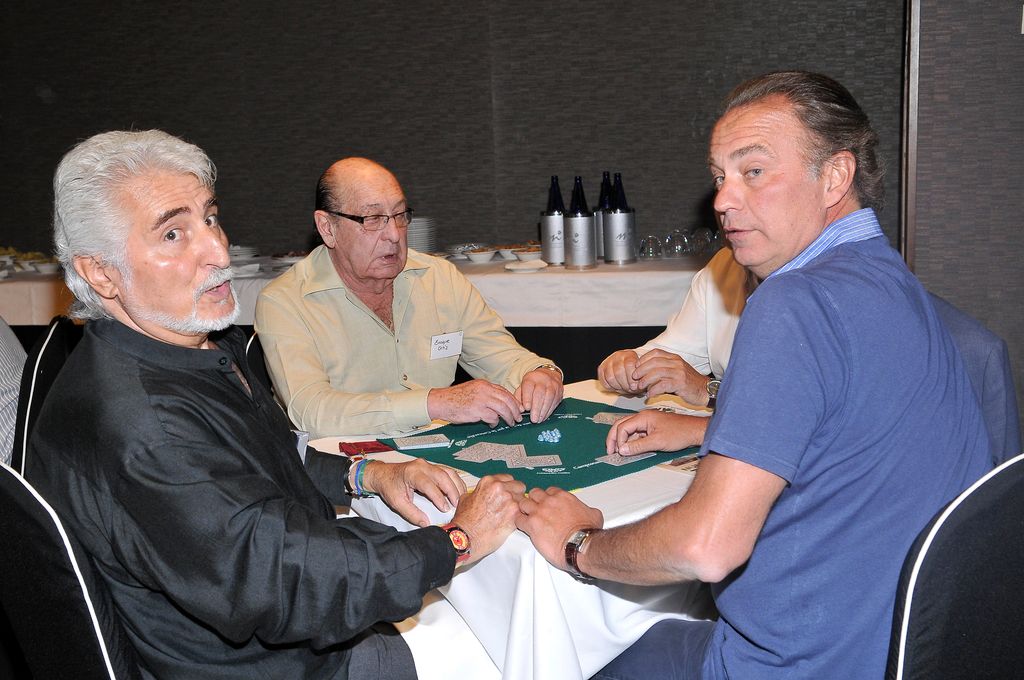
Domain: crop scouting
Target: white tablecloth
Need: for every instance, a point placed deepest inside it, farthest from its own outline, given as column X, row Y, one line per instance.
column 646, row 293
column 31, row 299
column 535, row 621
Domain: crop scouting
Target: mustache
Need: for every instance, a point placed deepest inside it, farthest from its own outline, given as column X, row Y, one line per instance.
column 216, row 278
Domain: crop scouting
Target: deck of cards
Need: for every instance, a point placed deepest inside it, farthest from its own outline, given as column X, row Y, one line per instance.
column 422, row 441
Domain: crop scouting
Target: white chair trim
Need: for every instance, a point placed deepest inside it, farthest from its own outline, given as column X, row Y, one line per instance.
column 248, row 344
column 74, row 564
column 31, row 395
column 912, row 582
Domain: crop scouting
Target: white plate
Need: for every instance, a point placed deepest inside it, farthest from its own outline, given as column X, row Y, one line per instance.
column 527, row 267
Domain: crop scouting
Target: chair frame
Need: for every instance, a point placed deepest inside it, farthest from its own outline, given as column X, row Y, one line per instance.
column 27, row 425
column 73, row 559
column 922, row 554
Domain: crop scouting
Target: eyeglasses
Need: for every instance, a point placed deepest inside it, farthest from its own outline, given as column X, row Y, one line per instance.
column 377, row 222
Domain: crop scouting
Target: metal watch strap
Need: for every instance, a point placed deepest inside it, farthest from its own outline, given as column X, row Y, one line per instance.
column 573, row 547
column 551, row 367
column 712, row 388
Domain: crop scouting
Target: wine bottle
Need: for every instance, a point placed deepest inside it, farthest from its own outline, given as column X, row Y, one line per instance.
column 619, row 227
column 619, row 203
column 552, row 240
column 581, row 252
column 604, row 203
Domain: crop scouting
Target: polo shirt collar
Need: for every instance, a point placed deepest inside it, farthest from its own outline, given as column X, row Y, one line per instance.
column 859, row 225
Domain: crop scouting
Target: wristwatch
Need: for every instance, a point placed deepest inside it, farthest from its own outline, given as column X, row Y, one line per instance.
column 712, row 387
column 574, row 547
column 460, row 541
column 551, row 367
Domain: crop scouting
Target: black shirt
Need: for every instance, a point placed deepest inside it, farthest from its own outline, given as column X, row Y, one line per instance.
column 223, row 557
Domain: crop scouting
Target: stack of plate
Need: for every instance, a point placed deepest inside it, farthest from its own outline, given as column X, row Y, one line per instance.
column 280, row 263
column 242, row 253
column 422, row 235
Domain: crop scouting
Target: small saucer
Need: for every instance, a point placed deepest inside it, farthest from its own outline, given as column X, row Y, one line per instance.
column 526, row 267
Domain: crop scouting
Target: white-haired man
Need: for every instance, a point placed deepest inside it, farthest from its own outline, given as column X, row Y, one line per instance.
column 178, row 473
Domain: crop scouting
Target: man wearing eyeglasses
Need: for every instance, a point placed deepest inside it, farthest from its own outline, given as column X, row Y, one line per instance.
column 364, row 335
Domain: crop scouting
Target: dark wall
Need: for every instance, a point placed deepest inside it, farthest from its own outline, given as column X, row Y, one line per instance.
column 970, row 195
column 473, row 105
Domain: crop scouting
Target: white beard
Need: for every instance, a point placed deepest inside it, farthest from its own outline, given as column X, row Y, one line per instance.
column 191, row 324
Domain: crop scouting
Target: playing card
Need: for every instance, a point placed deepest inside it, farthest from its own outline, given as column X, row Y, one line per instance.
column 608, row 418
column 541, row 461
column 477, row 453
column 617, row 460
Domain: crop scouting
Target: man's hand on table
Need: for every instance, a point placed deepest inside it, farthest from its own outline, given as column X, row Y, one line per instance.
column 656, row 372
column 661, row 372
column 396, row 483
column 540, row 393
column 616, row 372
column 652, row 430
column 474, row 401
column 488, row 514
column 551, row 516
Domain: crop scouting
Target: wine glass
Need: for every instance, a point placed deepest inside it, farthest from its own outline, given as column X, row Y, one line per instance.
column 701, row 239
column 677, row 244
column 650, row 247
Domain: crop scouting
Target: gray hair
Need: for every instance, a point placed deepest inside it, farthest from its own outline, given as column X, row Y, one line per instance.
column 833, row 118
column 88, row 218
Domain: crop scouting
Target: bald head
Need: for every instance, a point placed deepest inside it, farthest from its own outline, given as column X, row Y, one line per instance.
column 335, row 189
column 366, row 258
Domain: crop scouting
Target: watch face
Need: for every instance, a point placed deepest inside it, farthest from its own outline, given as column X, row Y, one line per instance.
column 713, row 386
column 460, row 540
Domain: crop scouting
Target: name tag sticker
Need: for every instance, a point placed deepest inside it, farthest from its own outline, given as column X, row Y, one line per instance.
column 446, row 345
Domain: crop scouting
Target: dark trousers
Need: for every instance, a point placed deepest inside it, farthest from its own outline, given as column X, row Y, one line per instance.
column 382, row 654
column 669, row 650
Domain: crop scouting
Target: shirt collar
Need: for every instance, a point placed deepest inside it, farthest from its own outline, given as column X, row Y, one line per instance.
column 151, row 350
column 859, row 225
column 321, row 274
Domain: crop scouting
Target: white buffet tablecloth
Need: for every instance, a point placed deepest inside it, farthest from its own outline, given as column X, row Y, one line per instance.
column 646, row 293
column 31, row 299
column 536, row 622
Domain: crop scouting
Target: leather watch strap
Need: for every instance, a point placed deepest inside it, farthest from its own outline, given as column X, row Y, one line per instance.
column 574, row 547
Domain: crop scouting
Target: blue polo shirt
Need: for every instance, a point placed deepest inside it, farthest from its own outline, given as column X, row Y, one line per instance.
column 844, row 383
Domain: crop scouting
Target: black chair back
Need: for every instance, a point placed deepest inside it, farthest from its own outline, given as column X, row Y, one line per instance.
column 257, row 363
column 959, row 610
column 42, row 365
column 61, row 614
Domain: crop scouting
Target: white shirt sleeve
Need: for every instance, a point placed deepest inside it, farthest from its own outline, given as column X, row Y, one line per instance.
column 702, row 331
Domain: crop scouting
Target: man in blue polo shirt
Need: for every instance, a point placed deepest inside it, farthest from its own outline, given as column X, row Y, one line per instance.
column 845, row 419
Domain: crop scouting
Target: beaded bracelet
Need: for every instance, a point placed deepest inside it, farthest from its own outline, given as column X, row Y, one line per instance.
column 357, row 478
column 350, row 476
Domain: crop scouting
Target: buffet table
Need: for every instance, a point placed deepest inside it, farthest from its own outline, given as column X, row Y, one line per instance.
column 554, row 296
column 535, row 621
column 575, row 318
column 32, row 299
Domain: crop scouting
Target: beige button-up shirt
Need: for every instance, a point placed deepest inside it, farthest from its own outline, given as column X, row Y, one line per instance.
column 338, row 369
